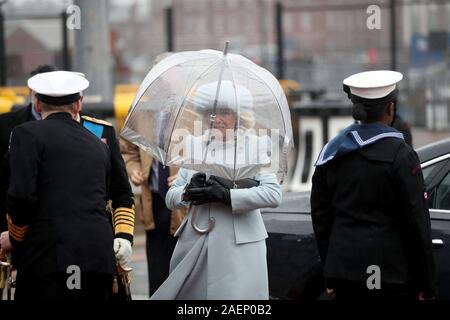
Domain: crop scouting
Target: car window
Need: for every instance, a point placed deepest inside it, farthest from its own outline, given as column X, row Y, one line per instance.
column 426, row 171
column 434, row 173
column 442, row 200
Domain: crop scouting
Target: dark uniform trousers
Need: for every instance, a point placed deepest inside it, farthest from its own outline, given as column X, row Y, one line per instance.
column 368, row 208
column 54, row 287
column 358, row 290
column 159, row 242
column 56, row 203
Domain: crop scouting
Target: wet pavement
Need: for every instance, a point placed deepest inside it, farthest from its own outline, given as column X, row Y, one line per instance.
column 139, row 278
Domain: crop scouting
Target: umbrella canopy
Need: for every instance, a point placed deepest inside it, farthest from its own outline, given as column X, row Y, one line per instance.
column 213, row 112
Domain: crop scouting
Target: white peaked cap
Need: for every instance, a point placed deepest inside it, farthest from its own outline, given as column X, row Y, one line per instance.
column 373, row 84
column 205, row 94
column 58, row 83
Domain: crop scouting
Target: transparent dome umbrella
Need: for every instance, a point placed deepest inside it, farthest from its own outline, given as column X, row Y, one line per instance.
column 213, row 112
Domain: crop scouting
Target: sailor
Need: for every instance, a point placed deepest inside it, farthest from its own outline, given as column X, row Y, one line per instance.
column 60, row 174
column 368, row 202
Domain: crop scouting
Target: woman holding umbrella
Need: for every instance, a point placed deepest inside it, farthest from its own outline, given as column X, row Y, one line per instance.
column 230, row 167
column 228, row 259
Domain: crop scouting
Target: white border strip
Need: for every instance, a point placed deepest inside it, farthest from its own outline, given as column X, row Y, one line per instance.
column 435, row 160
column 320, row 161
column 362, row 142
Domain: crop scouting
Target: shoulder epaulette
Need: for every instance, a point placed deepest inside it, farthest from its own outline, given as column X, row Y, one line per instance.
column 99, row 121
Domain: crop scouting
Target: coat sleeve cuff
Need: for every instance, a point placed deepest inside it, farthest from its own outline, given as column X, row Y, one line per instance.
column 16, row 233
column 174, row 200
column 124, row 223
column 126, row 236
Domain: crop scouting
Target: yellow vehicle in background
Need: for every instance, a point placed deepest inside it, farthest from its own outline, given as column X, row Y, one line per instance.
column 10, row 96
column 123, row 98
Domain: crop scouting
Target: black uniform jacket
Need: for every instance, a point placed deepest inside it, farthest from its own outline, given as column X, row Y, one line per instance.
column 120, row 192
column 57, row 197
column 8, row 121
column 369, row 208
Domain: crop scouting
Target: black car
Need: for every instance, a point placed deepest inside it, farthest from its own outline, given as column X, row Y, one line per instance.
column 294, row 264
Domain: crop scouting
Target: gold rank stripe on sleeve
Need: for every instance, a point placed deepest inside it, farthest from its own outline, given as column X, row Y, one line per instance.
column 18, row 233
column 99, row 121
column 124, row 209
column 124, row 228
column 124, row 220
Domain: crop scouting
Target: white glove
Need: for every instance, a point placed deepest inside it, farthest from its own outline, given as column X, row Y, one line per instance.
column 122, row 249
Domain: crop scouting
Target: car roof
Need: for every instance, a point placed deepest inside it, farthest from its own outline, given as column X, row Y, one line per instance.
column 434, row 150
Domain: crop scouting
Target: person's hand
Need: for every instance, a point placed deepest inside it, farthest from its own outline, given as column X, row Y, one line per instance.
column 330, row 293
column 137, row 177
column 171, row 179
column 123, row 251
column 198, row 180
column 422, row 297
column 5, row 242
column 212, row 192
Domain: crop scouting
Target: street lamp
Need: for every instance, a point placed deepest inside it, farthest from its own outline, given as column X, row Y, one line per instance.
column 2, row 46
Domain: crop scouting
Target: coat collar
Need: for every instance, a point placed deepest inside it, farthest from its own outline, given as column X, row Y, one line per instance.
column 60, row 115
column 354, row 137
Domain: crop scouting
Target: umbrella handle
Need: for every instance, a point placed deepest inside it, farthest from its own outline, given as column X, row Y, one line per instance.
column 208, row 229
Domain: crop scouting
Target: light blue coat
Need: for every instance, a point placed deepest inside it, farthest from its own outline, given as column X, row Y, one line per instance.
column 229, row 262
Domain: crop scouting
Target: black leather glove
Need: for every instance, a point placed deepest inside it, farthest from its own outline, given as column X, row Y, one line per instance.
column 198, row 180
column 212, row 192
column 238, row 184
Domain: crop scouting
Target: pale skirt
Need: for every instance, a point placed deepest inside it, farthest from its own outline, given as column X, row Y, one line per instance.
column 213, row 266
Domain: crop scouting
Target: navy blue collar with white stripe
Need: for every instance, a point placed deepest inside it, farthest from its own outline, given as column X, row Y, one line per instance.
column 354, row 137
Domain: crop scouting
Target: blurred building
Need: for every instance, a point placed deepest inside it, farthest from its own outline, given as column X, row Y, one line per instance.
column 29, row 44
column 323, row 41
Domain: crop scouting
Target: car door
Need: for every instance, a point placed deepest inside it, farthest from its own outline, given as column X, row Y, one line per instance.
column 293, row 260
column 437, row 180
